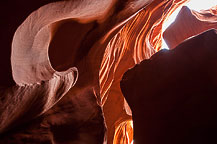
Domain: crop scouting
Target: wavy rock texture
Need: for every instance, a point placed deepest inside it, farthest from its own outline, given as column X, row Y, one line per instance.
column 173, row 94
column 189, row 23
column 67, row 59
column 140, row 38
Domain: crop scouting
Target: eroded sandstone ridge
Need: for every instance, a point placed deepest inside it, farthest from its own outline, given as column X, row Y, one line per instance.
column 62, row 62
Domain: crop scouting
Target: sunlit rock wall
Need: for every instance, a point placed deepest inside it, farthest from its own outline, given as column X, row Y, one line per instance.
column 140, row 38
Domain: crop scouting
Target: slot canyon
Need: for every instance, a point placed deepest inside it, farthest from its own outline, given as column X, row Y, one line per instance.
column 96, row 72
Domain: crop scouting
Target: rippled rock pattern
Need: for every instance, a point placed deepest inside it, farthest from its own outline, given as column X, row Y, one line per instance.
column 62, row 62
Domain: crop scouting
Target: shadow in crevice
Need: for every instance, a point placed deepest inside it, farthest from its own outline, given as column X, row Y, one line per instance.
column 67, row 46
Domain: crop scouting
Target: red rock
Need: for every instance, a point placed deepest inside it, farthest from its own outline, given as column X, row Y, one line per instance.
column 56, row 42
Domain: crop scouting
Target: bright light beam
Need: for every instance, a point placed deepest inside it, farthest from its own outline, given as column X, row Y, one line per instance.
column 196, row 5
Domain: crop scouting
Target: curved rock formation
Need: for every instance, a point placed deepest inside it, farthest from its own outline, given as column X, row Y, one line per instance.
column 189, row 23
column 67, row 60
column 173, row 94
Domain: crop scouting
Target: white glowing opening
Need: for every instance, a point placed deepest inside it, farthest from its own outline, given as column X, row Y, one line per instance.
column 196, row 5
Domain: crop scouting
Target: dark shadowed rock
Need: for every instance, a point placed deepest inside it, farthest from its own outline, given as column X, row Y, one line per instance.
column 173, row 95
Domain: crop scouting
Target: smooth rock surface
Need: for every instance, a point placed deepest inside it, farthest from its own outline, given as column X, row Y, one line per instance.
column 173, row 95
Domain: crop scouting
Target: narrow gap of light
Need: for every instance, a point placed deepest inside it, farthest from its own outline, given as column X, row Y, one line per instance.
column 196, row 5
